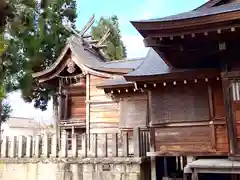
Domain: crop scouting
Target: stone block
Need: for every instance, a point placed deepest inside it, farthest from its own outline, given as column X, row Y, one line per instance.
column 88, row 168
column 133, row 176
column 119, row 168
column 87, row 176
column 133, row 168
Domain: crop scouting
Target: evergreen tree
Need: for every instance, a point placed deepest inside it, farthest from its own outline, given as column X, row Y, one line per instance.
column 38, row 37
column 115, row 49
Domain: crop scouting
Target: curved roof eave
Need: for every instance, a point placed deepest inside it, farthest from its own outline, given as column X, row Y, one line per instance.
column 95, row 63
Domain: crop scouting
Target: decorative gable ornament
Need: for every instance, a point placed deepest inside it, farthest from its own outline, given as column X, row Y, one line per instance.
column 71, row 66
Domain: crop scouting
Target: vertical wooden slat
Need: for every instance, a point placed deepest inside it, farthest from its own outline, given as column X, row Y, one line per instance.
column 115, row 145
column 4, row 147
column 13, row 147
column 20, row 146
column 165, row 166
column 74, row 145
column 64, row 145
column 144, row 143
column 147, row 142
column 84, row 145
column 29, row 146
column 105, row 145
column 125, row 144
column 136, row 140
column 54, row 151
column 37, row 146
column 95, row 145
column 45, row 146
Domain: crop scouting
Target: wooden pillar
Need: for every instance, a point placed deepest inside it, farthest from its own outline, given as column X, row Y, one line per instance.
column 88, row 109
column 153, row 159
column 66, row 106
column 231, row 125
column 136, row 139
column 152, row 138
column 60, row 115
column 211, row 116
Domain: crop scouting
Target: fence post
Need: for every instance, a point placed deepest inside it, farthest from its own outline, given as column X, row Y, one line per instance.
column 13, row 147
column 45, row 145
column 105, row 145
column 95, row 146
column 125, row 144
column 4, row 147
column 29, row 146
column 64, row 145
column 115, row 145
column 37, row 146
column 74, row 145
column 136, row 141
column 20, row 146
column 54, row 151
column 84, row 145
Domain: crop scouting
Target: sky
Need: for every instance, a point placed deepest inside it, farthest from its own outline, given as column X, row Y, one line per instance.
column 126, row 11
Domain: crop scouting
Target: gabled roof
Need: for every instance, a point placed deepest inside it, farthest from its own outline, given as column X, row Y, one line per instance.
column 90, row 57
column 152, row 64
column 153, row 68
column 212, row 3
column 200, row 12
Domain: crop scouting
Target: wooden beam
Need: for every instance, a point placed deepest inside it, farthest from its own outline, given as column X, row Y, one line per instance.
column 231, row 125
column 211, row 116
column 88, row 25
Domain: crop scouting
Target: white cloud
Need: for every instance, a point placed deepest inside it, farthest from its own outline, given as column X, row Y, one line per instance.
column 27, row 110
column 135, row 46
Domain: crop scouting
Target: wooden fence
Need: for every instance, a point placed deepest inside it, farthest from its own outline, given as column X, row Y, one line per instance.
column 101, row 145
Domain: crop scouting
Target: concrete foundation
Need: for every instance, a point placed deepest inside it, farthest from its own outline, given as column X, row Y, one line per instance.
column 74, row 169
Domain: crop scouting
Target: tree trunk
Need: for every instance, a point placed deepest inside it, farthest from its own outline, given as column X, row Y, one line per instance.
column 1, row 121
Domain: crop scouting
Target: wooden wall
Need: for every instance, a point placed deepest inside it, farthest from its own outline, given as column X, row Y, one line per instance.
column 134, row 110
column 76, row 103
column 73, row 107
column 180, row 103
column 184, row 122
column 104, row 112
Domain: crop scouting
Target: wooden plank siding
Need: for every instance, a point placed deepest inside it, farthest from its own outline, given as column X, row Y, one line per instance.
column 183, row 120
column 104, row 111
column 134, row 110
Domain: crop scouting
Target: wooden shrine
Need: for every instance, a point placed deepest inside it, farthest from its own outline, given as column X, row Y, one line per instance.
column 186, row 90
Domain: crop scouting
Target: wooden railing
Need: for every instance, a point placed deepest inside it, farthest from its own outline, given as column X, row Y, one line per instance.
column 101, row 145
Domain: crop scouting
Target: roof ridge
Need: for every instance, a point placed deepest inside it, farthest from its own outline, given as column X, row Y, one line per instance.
column 124, row 60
